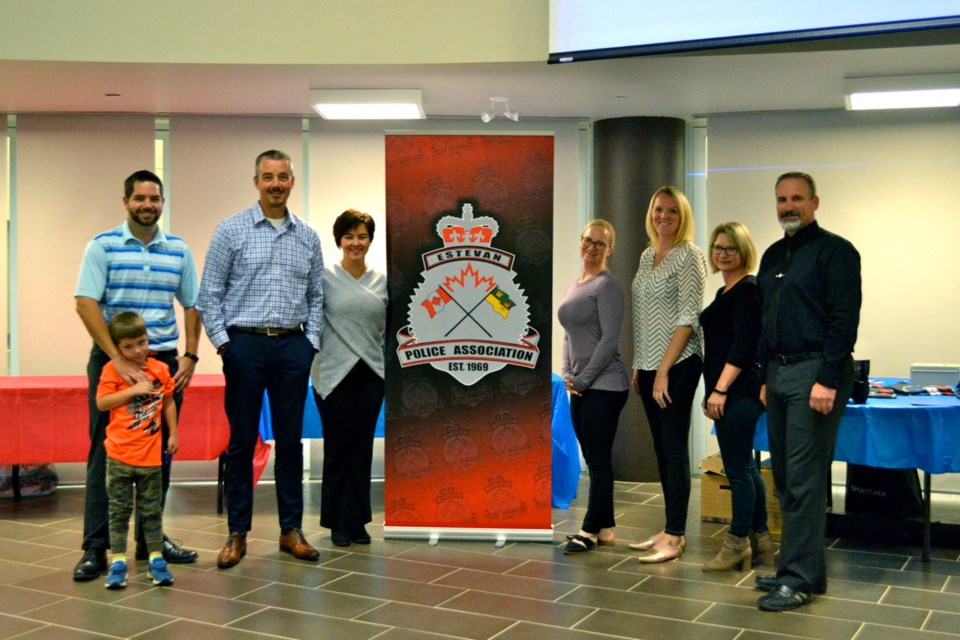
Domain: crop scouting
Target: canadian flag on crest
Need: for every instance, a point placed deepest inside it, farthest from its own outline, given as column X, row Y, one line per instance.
column 435, row 301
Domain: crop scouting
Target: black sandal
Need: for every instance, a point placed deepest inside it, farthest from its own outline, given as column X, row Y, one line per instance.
column 578, row 544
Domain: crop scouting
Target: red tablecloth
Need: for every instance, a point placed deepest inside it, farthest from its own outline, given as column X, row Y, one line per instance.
column 46, row 419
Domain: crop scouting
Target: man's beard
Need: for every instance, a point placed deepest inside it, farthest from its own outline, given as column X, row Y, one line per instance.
column 791, row 224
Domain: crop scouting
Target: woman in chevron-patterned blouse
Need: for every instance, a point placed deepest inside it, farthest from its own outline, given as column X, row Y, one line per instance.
column 668, row 355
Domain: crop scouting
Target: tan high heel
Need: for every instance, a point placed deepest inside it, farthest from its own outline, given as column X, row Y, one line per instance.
column 675, row 550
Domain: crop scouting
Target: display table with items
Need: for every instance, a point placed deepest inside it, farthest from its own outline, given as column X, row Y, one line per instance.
column 899, row 431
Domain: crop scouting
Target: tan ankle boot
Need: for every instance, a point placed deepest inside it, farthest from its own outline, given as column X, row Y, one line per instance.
column 763, row 551
column 735, row 551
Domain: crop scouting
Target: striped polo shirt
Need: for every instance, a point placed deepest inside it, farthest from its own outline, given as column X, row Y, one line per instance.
column 124, row 274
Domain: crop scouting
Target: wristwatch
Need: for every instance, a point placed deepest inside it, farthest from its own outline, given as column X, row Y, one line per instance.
column 192, row 356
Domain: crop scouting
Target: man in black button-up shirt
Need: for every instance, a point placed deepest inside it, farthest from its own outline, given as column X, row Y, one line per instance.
column 810, row 286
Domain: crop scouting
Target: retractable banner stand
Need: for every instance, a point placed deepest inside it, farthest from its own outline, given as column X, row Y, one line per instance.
column 468, row 395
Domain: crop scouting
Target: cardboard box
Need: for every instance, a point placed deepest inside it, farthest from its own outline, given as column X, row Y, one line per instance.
column 715, row 503
column 926, row 373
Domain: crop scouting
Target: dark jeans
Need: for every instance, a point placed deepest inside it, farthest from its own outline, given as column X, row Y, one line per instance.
column 349, row 415
column 122, row 479
column 280, row 365
column 801, row 451
column 670, row 428
column 735, row 432
column 96, row 509
column 595, row 415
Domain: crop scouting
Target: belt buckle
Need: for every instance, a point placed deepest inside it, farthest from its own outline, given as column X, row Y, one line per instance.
column 272, row 331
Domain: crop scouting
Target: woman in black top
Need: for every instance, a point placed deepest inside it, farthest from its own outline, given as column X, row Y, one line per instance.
column 731, row 330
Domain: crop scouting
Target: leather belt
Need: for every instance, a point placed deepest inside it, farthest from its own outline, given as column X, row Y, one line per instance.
column 270, row 331
column 793, row 358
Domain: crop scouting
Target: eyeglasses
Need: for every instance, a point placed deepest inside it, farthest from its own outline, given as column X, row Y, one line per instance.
column 599, row 245
column 727, row 251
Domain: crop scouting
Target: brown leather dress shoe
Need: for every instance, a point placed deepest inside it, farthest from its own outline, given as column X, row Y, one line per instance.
column 294, row 543
column 233, row 550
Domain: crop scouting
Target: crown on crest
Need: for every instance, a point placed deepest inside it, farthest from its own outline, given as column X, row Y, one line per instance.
column 467, row 230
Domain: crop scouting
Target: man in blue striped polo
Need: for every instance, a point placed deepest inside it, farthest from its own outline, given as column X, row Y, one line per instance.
column 133, row 267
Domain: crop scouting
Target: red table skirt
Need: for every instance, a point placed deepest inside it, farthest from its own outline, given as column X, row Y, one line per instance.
column 46, row 419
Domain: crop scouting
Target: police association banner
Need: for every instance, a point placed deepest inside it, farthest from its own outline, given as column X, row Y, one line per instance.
column 468, row 423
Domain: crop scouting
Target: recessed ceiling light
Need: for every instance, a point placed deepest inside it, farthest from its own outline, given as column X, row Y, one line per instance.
column 368, row 104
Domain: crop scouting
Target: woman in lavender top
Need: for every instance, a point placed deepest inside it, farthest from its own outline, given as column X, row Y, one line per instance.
column 591, row 315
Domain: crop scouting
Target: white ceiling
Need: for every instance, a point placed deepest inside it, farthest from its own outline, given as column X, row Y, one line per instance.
column 679, row 86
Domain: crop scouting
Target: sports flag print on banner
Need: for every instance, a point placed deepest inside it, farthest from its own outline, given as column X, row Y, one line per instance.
column 468, row 424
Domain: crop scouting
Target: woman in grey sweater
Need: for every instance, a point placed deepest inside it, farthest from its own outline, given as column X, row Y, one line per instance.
column 347, row 378
column 591, row 315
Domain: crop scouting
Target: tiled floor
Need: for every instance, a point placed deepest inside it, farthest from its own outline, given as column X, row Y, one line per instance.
column 406, row 590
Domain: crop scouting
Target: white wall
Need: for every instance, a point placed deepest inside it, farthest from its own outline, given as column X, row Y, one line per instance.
column 888, row 182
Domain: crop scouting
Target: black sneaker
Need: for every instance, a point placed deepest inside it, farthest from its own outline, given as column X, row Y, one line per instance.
column 783, row 598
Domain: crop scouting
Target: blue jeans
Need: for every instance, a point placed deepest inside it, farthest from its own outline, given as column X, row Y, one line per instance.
column 735, row 432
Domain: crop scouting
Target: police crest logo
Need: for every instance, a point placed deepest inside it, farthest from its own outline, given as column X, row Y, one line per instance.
column 468, row 317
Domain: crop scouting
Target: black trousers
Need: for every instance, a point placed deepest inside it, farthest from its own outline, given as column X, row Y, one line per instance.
column 349, row 415
column 670, row 428
column 595, row 415
column 801, row 452
column 96, row 508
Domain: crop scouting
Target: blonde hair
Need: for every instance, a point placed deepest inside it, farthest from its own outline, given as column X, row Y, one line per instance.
column 685, row 230
column 740, row 236
column 603, row 224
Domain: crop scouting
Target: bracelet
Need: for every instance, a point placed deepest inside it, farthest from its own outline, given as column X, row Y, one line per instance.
column 719, row 392
column 192, row 356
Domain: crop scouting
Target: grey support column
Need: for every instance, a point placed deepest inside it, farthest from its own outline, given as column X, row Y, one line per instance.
column 632, row 157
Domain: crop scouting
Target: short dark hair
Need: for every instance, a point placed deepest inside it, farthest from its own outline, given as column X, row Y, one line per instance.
column 272, row 154
column 799, row 175
column 125, row 325
column 140, row 176
column 351, row 219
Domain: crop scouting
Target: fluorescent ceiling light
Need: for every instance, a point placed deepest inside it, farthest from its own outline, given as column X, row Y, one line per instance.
column 902, row 92
column 368, row 104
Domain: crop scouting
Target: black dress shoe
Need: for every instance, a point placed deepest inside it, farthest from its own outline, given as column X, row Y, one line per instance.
column 783, row 598
column 172, row 553
column 91, row 565
column 340, row 538
column 359, row 535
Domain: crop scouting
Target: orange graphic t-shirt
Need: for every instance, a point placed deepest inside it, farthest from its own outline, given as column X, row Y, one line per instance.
column 133, row 434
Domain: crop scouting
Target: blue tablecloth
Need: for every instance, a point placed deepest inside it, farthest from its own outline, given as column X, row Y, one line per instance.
column 566, row 452
column 906, row 432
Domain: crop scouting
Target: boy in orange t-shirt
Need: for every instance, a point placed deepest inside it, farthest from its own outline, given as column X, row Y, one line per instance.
column 134, row 447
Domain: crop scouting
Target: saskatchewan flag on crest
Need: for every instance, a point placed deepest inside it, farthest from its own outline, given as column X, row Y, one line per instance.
column 500, row 301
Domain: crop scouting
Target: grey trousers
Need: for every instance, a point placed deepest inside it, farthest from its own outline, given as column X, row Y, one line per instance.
column 801, row 452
